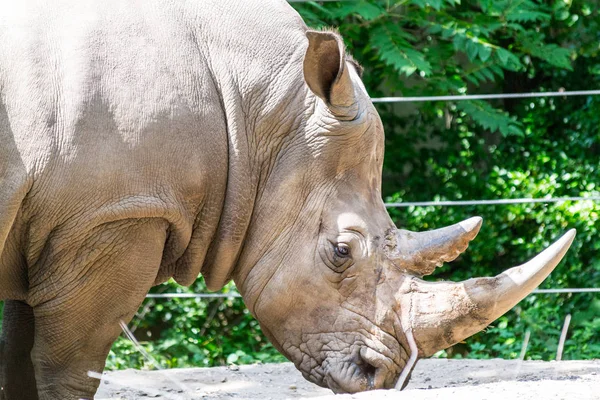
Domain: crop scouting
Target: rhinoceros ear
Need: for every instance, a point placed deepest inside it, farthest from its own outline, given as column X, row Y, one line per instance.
column 325, row 69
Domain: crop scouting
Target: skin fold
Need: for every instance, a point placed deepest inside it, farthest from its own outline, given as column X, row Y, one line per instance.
column 144, row 140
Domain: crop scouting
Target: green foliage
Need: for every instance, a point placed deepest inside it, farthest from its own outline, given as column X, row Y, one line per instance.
column 551, row 53
column 448, row 47
column 394, row 48
column 187, row 332
column 515, row 11
column 490, row 118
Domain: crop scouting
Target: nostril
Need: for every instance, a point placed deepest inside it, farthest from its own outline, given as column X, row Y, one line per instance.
column 373, row 366
column 368, row 366
column 369, row 371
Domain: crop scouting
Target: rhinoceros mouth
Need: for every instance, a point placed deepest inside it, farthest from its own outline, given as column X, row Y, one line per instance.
column 347, row 363
column 349, row 377
column 366, row 370
column 361, row 356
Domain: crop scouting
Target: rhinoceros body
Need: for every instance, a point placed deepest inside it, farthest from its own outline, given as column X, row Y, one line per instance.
column 119, row 110
column 146, row 140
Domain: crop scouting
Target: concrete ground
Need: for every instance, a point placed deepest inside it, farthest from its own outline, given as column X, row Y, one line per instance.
column 432, row 379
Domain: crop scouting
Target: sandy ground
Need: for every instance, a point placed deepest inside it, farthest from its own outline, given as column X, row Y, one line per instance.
column 432, row 379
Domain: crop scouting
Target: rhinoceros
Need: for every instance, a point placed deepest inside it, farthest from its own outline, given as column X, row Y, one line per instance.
column 144, row 140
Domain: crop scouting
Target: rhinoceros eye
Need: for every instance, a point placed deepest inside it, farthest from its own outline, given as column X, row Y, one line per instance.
column 336, row 255
column 342, row 250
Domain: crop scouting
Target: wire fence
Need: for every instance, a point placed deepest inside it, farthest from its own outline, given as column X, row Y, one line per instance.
column 319, row 1
column 450, row 203
column 232, row 295
column 495, row 96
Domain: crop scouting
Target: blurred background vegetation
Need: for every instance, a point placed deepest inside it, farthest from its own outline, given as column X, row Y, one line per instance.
column 541, row 147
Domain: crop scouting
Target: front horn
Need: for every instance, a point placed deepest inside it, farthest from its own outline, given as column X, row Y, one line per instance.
column 444, row 313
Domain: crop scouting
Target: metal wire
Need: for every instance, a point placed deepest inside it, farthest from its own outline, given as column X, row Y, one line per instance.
column 489, row 202
column 316, row 1
column 191, row 295
column 485, row 96
column 235, row 295
column 572, row 290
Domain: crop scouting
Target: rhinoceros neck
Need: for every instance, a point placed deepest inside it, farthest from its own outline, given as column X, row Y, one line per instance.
column 240, row 194
column 262, row 94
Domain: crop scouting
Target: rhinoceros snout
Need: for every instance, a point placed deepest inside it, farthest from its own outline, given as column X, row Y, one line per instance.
column 368, row 370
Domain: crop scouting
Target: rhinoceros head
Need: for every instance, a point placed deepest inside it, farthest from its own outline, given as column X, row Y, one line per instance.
column 335, row 285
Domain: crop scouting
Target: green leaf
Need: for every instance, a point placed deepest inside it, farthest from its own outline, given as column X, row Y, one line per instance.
column 485, row 51
column 526, row 16
column 472, row 49
column 367, row 11
column 472, row 79
column 497, row 70
column 345, row 10
column 396, row 52
column 435, row 4
column 459, row 42
column 508, row 60
column 515, row 11
column 479, row 75
column 490, row 118
column 551, row 53
column 488, row 74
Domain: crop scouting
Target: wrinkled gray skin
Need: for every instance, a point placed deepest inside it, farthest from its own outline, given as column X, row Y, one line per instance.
column 146, row 140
